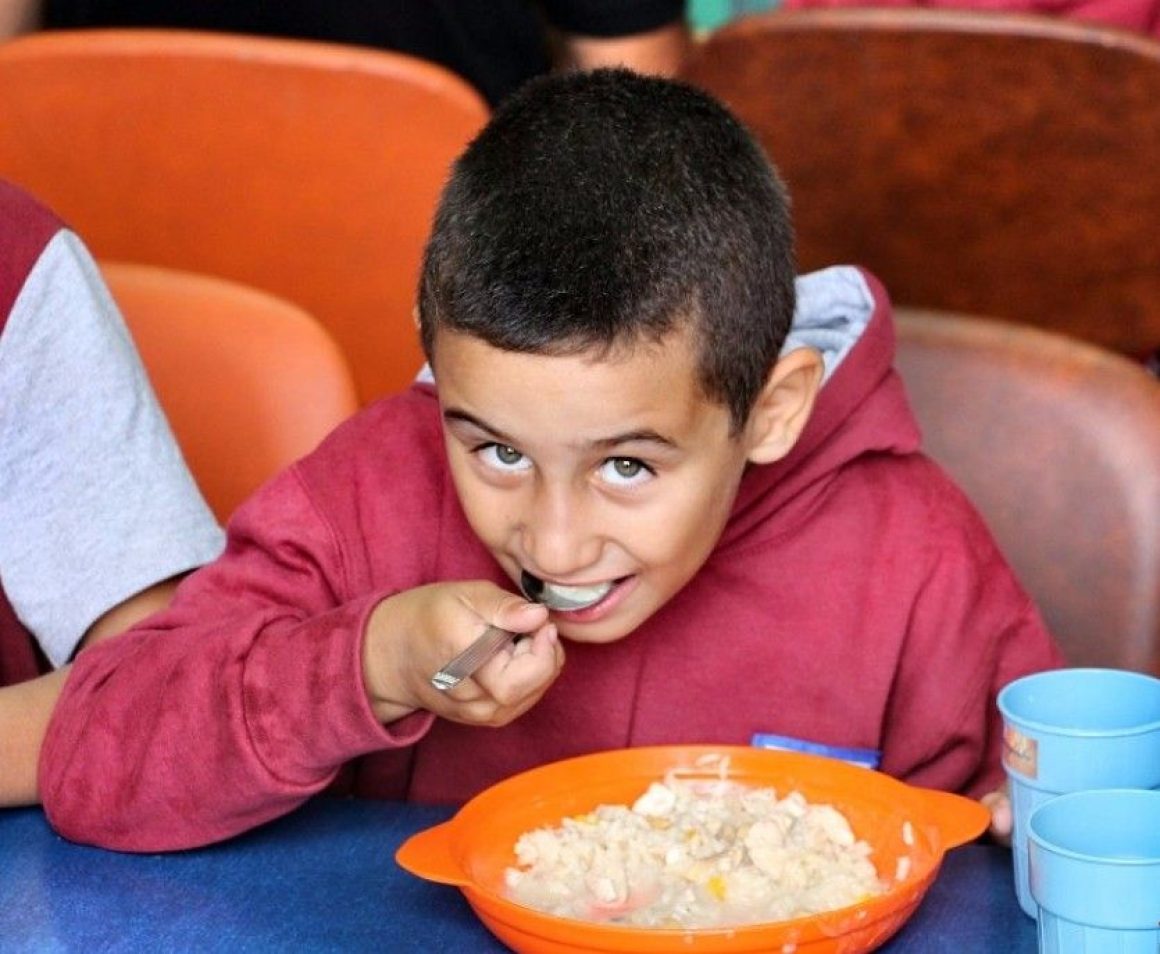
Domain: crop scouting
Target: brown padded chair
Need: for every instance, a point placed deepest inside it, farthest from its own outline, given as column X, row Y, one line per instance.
column 987, row 163
column 309, row 170
column 1058, row 444
column 249, row 382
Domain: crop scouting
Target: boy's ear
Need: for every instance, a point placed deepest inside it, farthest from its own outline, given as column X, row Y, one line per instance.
column 784, row 405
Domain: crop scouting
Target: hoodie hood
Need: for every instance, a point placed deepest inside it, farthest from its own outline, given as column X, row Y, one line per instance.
column 862, row 408
column 833, row 308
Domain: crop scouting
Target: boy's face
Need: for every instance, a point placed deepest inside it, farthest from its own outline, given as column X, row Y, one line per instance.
column 590, row 471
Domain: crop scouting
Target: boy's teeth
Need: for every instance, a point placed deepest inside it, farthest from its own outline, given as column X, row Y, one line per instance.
column 574, row 597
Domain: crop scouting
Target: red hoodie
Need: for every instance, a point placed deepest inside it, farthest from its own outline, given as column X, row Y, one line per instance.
column 854, row 599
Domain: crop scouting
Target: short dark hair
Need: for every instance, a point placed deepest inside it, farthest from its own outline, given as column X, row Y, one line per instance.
column 600, row 209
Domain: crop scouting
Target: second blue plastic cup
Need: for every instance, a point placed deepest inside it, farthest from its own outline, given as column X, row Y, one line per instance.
column 1094, row 863
column 1073, row 729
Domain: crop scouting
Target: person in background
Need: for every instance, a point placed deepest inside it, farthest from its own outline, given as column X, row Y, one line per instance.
column 99, row 515
column 496, row 45
column 638, row 411
column 18, row 16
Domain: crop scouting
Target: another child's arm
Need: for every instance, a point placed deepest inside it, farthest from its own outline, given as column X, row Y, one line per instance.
column 25, row 709
column 662, row 50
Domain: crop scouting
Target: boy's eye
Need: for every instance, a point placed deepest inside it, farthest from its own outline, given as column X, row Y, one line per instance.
column 625, row 471
column 503, row 457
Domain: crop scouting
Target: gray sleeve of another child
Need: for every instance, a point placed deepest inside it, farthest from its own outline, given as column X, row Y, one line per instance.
column 96, row 502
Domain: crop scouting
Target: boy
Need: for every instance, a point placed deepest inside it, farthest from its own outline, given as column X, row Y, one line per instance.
column 620, row 420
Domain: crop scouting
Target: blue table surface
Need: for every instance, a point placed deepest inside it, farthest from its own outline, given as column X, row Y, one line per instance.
column 324, row 879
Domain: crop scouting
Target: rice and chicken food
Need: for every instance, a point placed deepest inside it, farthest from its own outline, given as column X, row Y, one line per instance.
column 695, row 853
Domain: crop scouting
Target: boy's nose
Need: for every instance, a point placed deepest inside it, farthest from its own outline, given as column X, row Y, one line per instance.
column 560, row 537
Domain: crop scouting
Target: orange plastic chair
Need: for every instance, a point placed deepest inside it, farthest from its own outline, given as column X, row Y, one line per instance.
column 249, row 382
column 980, row 162
column 1057, row 442
column 309, row 170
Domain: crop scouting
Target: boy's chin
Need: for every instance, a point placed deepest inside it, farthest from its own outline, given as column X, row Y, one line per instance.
column 599, row 632
column 587, row 634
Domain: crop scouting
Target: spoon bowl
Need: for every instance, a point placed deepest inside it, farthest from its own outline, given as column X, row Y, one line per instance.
column 561, row 598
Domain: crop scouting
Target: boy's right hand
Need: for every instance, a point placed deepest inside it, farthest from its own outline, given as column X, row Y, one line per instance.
column 413, row 634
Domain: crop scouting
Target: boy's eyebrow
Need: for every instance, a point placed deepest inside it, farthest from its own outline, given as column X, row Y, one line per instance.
column 631, row 437
column 628, row 437
column 455, row 414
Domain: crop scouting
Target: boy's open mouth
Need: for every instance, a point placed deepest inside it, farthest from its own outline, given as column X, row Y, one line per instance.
column 557, row 596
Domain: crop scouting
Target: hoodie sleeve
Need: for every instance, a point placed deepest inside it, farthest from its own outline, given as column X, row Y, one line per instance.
column 972, row 630
column 231, row 707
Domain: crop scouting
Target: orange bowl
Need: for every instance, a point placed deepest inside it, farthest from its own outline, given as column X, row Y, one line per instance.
column 900, row 821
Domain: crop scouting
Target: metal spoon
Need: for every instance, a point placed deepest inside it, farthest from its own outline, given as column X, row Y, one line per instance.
column 538, row 591
column 474, row 656
column 494, row 639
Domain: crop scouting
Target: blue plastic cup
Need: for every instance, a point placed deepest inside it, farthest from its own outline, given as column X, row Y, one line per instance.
column 1094, row 860
column 1073, row 729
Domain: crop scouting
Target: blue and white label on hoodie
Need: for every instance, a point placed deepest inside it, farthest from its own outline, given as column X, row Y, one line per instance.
column 867, row 758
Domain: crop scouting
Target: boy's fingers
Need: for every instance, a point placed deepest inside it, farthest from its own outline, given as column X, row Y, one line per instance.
column 1001, row 819
column 521, row 674
column 483, row 708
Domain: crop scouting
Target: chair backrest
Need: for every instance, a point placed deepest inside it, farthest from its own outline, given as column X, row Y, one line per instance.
column 1057, row 442
column 249, row 382
column 309, row 170
column 988, row 163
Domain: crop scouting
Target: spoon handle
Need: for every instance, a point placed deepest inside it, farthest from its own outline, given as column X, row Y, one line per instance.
column 471, row 658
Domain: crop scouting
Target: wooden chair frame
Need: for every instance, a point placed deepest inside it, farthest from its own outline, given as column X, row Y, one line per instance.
column 989, row 163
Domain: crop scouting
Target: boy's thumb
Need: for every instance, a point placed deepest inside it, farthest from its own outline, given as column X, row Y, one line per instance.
column 519, row 615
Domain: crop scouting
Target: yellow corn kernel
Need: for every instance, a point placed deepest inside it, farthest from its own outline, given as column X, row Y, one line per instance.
column 716, row 886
